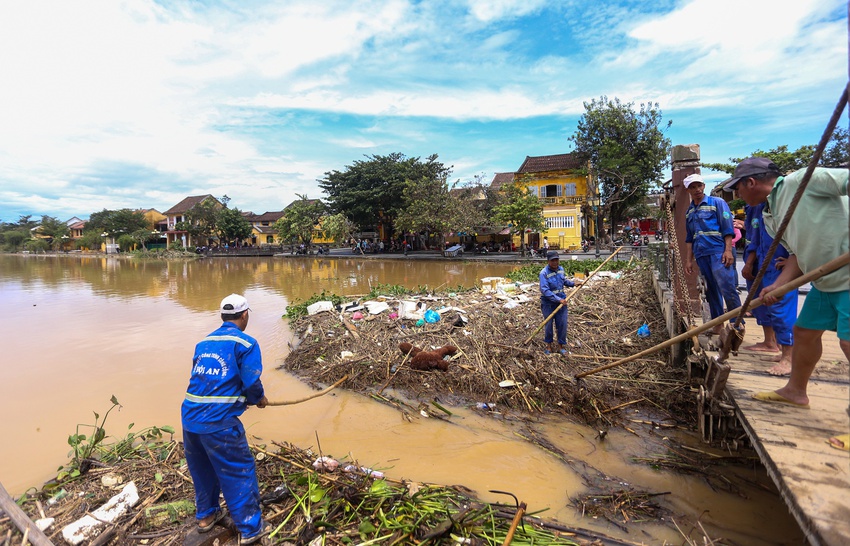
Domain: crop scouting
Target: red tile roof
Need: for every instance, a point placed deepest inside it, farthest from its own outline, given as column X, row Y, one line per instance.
column 267, row 216
column 187, row 204
column 501, row 179
column 546, row 163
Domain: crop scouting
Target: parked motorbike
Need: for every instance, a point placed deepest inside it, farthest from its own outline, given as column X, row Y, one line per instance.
column 659, row 235
column 585, row 245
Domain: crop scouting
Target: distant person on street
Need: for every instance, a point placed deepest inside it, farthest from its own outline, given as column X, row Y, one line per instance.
column 776, row 320
column 709, row 244
column 815, row 235
column 225, row 380
column 552, row 283
column 545, row 244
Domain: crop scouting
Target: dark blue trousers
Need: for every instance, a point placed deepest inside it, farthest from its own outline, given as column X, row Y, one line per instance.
column 720, row 284
column 559, row 321
column 781, row 315
column 220, row 462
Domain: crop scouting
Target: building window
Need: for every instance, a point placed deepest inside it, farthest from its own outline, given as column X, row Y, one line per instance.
column 569, row 190
column 555, row 222
column 532, row 190
column 553, row 190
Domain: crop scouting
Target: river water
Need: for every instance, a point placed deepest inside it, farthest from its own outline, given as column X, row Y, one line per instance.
column 78, row 330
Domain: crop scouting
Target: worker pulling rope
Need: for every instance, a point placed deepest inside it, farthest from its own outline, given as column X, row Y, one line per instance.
column 734, row 337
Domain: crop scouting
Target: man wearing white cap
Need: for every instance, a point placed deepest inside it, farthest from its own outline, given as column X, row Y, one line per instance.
column 225, row 380
column 816, row 234
column 709, row 243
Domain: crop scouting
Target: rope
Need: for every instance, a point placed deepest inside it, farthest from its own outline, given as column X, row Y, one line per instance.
column 680, row 273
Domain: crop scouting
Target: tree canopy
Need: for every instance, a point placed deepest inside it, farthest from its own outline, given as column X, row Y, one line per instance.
column 115, row 222
column 367, row 190
column 627, row 148
column 521, row 210
column 299, row 220
column 231, row 224
column 201, row 219
column 428, row 207
column 835, row 155
column 338, row 227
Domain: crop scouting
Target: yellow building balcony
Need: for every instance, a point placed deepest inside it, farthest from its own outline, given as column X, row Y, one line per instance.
column 570, row 200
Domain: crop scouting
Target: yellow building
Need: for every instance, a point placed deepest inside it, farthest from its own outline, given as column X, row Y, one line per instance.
column 564, row 191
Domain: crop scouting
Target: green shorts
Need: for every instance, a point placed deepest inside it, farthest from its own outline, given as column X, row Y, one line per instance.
column 826, row 311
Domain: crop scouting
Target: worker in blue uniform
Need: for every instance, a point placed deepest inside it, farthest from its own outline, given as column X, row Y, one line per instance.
column 778, row 319
column 709, row 243
column 225, row 380
column 552, row 283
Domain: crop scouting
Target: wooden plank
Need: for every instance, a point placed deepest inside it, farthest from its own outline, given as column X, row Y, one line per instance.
column 812, row 477
column 21, row 520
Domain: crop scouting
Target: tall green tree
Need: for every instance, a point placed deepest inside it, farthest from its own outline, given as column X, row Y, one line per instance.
column 521, row 211
column 338, row 227
column 627, row 149
column 428, row 208
column 368, row 190
column 835, row 155
column 232, row 225
column 200, row 220
column 299, row 220
column 53, row 229
column 117, row 222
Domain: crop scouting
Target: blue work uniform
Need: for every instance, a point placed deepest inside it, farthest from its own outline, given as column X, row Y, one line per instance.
column 708, row 224
column 552, row 283
column 225, row 378
column 781, row 315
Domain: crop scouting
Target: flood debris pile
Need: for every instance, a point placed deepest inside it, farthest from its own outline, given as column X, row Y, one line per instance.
column 489, row 364
column 306, row 500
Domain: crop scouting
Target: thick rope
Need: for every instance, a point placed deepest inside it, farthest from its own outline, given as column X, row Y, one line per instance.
column 673, row 243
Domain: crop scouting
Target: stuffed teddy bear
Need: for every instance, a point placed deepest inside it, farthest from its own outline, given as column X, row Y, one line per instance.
column 427, row 360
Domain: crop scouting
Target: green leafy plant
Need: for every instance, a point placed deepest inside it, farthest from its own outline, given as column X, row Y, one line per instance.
column 82, row 445
column 86, row 448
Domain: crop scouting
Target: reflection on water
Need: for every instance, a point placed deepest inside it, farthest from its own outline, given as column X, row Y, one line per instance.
column 80, row 329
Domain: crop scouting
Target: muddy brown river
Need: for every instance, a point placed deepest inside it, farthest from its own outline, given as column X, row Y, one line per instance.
column 78, row 330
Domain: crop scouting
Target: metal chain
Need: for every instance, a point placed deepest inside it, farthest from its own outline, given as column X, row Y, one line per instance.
column 680, row 272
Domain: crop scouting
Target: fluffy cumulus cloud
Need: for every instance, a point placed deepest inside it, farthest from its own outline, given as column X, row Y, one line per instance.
column 112, row 104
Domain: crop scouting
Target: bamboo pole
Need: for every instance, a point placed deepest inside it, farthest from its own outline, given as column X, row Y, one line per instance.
column 31, row 533
column 570, row 295
column 520, row 512
column 825, row 269
column 315, row 395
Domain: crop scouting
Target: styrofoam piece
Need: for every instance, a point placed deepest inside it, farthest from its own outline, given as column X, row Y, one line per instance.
column 91, row 525
column 376, row 307
column 410, row 310
column 320, row 307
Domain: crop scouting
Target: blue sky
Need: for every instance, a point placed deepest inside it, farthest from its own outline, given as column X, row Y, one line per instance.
column 137, row 104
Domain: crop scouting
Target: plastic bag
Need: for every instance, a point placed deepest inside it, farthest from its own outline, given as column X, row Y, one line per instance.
column 431, row 316
column 643, row 331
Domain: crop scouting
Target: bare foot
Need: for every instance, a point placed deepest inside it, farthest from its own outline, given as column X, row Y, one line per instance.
column 771, row 358
column 761, row 348
column 783, row 368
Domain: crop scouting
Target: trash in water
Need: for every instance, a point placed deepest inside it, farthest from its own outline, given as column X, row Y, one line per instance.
column 326, row 463
column 431, row 316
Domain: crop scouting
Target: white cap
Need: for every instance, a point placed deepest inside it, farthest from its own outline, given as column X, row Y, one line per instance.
column 691, row 179
column 233, row 304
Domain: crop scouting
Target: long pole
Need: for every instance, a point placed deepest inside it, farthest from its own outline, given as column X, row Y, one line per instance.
column 825, row 269
column 570, row 295
column 314, row 395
